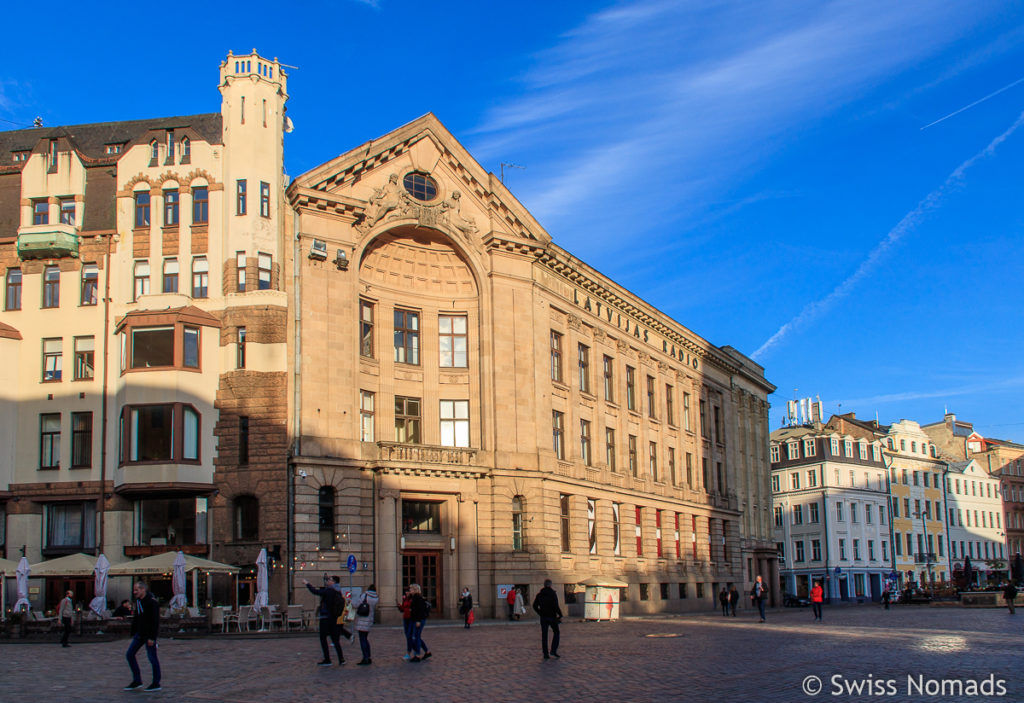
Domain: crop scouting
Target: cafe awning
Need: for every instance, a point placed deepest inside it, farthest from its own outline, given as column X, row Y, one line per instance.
column 70, row 565
column 164, row 564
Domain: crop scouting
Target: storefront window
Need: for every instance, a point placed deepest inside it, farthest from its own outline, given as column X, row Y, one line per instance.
column 163, row 521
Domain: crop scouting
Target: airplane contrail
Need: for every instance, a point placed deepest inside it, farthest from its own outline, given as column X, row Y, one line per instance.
column 976, row 102
column 930, row 201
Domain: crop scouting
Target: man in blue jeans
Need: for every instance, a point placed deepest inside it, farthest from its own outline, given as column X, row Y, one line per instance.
column 758, row 594
column 546, row 606
column 145, row 628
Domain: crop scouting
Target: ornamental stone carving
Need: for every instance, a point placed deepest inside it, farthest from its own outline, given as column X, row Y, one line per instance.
column 391, row 202
column 575, row 322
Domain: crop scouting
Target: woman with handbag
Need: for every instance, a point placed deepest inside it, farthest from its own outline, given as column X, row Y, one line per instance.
column 364, row 621
column 419, row 610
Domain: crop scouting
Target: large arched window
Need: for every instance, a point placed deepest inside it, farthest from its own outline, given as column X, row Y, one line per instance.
column 518, row 544
column 325, row 501
column 247, row 518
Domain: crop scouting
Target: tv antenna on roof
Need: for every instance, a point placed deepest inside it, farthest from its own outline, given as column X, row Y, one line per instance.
column 510, row 165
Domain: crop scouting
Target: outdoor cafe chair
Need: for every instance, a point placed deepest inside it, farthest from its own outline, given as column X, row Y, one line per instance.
column 294, row 617
column 271, row 617
column 230, row 618
column 251, row 617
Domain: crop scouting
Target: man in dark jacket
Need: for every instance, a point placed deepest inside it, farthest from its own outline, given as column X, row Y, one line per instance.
column 332, row 604
column 145, row 628
column 546, row 606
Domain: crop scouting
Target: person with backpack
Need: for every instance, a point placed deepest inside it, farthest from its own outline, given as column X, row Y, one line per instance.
column 419, row 611
column 367, row 606
column 332, row 606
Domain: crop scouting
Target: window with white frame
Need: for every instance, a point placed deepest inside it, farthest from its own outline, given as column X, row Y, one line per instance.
column 808, row 447
column 455, row 423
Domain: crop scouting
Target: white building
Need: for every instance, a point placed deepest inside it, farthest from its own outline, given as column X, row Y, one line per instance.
column 974, row 520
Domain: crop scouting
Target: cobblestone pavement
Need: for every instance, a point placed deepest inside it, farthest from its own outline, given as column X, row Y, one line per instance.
column 689, row 657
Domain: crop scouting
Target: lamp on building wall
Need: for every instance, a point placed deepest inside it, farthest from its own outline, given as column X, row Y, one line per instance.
column 453, row 544
column 341, row 260
column 401, row 542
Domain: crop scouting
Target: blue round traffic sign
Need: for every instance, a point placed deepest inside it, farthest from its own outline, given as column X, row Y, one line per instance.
column 352, row 565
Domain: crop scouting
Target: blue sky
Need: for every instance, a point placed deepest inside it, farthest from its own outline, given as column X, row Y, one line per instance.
column 761, row 171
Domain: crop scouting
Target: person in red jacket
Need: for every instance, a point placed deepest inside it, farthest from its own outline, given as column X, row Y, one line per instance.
column 511, row 600
column 817, row 596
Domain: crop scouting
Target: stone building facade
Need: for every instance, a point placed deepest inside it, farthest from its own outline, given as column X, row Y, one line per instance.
column 143, row 403
column 474, row 406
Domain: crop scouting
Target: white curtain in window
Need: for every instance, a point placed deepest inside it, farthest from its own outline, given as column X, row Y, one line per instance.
column 191, row 435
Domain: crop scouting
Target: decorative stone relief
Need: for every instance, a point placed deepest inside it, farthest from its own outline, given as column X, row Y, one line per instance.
column 452, row 208
column 600, row 335
column 622, row 347
column 575, row 322
column 391, row 202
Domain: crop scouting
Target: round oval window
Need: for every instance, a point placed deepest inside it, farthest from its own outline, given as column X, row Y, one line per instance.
column 420, row 186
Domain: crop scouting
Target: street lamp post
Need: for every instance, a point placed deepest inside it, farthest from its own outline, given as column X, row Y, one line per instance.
column 927, row 554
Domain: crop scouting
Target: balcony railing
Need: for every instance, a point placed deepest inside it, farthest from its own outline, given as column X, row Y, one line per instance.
column 148, row 550
column 426, row 453
column 47, row 241
column 924, row 558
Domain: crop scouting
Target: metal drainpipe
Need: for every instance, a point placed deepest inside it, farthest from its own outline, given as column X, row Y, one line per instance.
column 103, row 397
column 296, row 444
column 827, row 540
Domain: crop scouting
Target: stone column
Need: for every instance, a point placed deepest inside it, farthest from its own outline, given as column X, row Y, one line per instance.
column 466, row 546
column 389, row 578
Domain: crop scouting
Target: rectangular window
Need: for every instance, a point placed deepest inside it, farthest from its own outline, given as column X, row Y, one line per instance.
column 152, row 347
column 49, row 441
column 609, row 448
column 853, row 513
column 140, row 280
column 142, row 209
column 150, row 433
column 407, row 337
column 609, row 379
column 170, row 276
column 243, row 439
column 809, row 447
column 689, row 470
column 672, row 466
column 670, row 409
column 630, row 388
column 200, row 277
column 657, row 533
column 40, row 212
column 774, row 454
column 842, row 550
column 366, row 328
column 264, row 268
column 90, row 284
column 885, row 550
column 558, row 433
column 453, row 340
column 67, row 211
column 871, row 550
column 52, row 359
column 171, row 208
column 856, row 550
column 798, row 551
column 812, row 478
column 703, row 419
column 12, row 296
column 563, row 511
column 51, row 287
column 686, row 411
column 616, row 529
column 240, row 207
column 716, row 413
column 839, row 511
column 585, row 442
column 190, row 348
column 583, row 357
column 421, row 516
column 366, row 416
column 84, row 358
column 639, row 532
column 407, row 420
column 815, row 550
column 71, row 526
column 631, row 448
column 653, row 460
column 517, row 523
column 704, row 473
column 777, row 510
column 794, row 481
column 240, row 348
column 867, row 513
column 200, row 205
column 798, row 514
column 792, row 451
column 455, row 423
column 556, row 356
column 775, row 483
column 264, row 199
column 813, row 515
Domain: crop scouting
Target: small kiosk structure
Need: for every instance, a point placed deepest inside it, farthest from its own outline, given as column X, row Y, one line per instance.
column 601, row 598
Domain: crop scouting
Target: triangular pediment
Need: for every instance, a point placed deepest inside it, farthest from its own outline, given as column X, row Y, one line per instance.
column 365, row 183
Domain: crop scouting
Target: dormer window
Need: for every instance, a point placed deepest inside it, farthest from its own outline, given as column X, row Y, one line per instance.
column 53, row 155
column 186, row 150
column 114, row 148
column 154, row 152
column 20, row 156
column 170, row 146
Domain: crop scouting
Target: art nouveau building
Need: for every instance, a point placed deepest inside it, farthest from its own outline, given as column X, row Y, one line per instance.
column 472, row 405
column 142, row 348
column 830, row 495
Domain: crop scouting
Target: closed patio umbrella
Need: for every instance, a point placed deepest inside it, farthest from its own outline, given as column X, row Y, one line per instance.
column 178, row 602
column 99, row 602
column 22, row 573
column 262, row 597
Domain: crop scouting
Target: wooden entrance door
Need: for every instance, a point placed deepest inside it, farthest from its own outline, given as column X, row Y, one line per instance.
column 424, row 568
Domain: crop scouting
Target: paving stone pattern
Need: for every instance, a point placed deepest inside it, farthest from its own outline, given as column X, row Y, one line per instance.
column 692, row 657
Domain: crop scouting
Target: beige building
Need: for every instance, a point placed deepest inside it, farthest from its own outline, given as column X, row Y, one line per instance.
column 142, row 331
column 474, row 406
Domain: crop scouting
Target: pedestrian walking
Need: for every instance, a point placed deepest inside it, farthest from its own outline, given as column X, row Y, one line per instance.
column 145, row 629
column 758, row 594
column 332, row 607
column 723, row 599
column 520, row 607
column 419, row 610
column 364, row 621
column 510, row 598
column 66, row 613
column 406, row 607
column 466, row 606
column 545, row 604
column 1009, row 593
column 341, row 621
column 734, row 598
column 886, row 597
column 817, row 597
